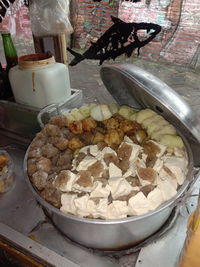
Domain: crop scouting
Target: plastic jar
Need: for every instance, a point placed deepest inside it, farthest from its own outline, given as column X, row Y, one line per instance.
column 38, row 80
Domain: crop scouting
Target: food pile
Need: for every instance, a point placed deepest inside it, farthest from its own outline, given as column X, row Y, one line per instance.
column 6, row 177
column 107, row 161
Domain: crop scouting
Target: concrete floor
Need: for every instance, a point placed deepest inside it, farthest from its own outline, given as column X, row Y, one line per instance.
column 185, row 81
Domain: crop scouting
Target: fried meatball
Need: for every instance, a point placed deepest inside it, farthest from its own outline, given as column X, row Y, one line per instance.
column 65, row 132
column 129, row 126
column 111, row 123
column 38, row 141
column 49, row 151
column 99, row 137
column 52, row 195
column 75, row 127
column 64, row 159
column 60, row 121
column 87, row 138
column 31, row 166
column 35, row 153
column 44, row 164
column 75, row 143
column 61, row 143
column 112, row 137
column 39, row 179
column 88, row 124
column 51, row 130
column 118, row 117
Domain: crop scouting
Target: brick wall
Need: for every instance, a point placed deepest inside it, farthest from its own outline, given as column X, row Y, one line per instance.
column 179, row 41
column 91, row 20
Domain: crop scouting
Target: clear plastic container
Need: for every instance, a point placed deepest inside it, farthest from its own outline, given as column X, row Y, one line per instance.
column 6, row 172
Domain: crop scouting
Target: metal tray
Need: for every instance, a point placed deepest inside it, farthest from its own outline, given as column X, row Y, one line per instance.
column 25, row 121
column 18, row 120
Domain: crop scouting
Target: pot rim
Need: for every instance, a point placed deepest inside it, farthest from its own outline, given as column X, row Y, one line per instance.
column 133, row 218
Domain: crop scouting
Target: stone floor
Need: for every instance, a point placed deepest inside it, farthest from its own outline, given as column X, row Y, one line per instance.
column 185, row 81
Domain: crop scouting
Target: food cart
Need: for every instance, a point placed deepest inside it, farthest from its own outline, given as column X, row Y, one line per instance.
column 29, row 237
column 26, row 232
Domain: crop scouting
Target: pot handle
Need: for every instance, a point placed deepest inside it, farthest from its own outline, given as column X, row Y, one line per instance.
column 44, row 112
column 188, row 192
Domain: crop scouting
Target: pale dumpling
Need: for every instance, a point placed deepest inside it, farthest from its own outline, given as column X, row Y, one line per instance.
column 168, row 129
column 171, row 141
column 144, row 114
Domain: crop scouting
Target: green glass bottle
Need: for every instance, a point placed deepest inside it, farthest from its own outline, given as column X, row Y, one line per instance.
column 5, row 87
column 9, row 50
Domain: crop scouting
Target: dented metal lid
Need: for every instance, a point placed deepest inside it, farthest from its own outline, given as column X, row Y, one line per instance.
column 131, row 85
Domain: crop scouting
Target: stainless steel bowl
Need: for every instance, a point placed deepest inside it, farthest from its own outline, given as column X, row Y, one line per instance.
column 112, row 234
column 133, row 86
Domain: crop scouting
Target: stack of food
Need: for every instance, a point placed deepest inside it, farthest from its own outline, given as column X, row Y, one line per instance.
column 107, row 161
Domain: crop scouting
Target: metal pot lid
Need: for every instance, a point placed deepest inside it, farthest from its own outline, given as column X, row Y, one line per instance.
column 133, row 86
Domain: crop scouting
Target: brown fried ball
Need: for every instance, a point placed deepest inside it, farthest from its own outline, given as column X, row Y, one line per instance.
column 60, row 121
column 113, row 137
column 87, row 138
column 75, row 143
column 111, row 123
column 61, row 143
column 75, row 127
column 88, row 124
column 35, row 153
column 64, row 159
column 3, row 160
column 129, row 126
column 51, row 130
column 38, row 141
column 39, row 179
column 49, row 151
column 99, row 137
column 44, row 164
column 31, row 166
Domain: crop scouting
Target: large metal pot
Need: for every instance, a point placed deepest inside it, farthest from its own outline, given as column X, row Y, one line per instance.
column 123, row 233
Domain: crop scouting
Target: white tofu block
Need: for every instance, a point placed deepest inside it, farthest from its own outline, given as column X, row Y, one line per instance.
column 155, row 198
column 114, row 171
column 167, row 189
column 177, row 166
column 81, row 204
column 117, row 209
column 101, row 209
column 100, row 191
column 138, row 204
column 67, row 203
column 119, row 187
